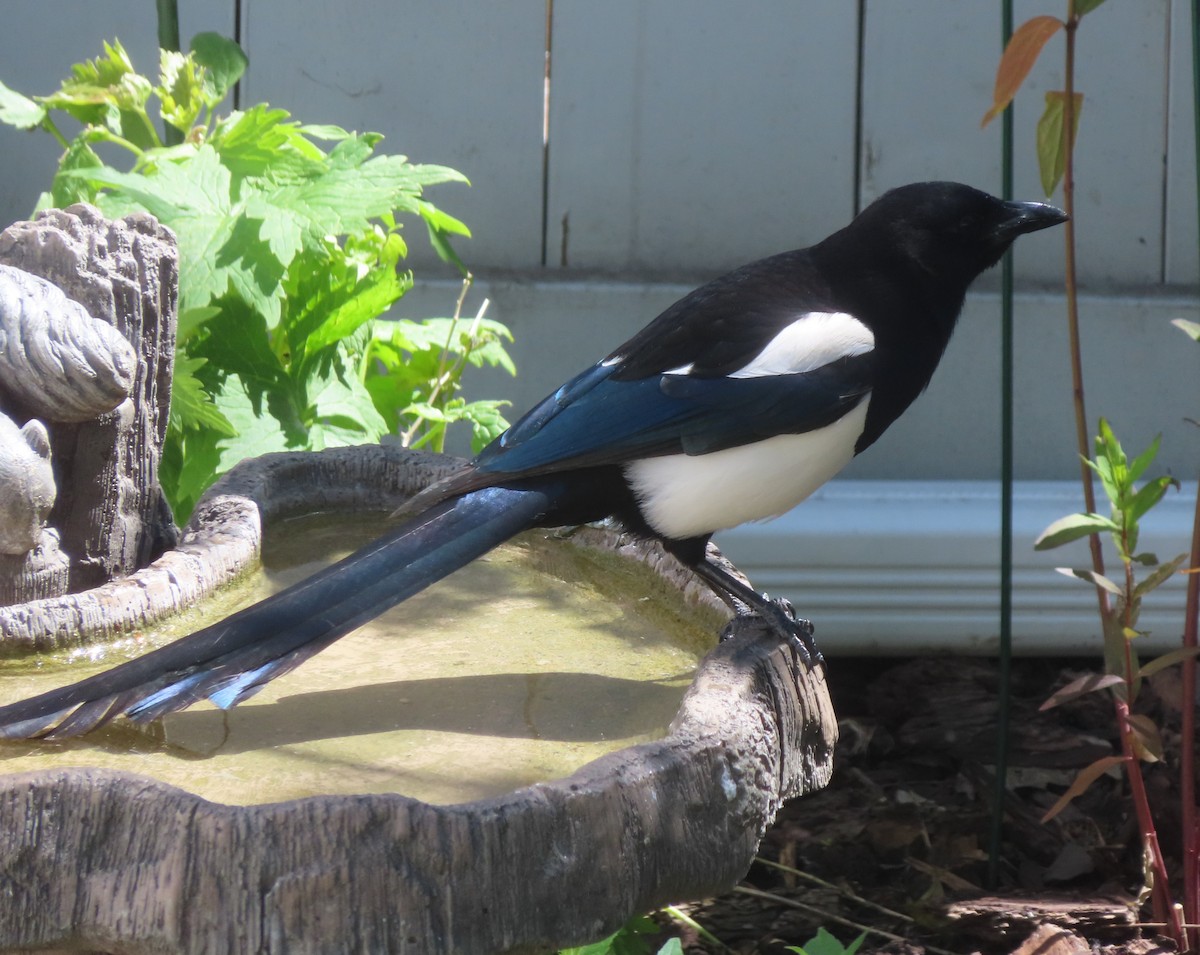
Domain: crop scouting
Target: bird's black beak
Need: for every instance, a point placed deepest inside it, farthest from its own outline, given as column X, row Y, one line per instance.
column 1028, row 217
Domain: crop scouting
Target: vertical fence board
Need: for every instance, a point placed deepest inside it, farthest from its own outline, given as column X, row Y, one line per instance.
column 690, row 135
column 39, row 43
column 453, row 83
column 1181, row 265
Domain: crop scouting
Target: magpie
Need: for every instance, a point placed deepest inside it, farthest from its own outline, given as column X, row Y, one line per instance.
column 733, row 405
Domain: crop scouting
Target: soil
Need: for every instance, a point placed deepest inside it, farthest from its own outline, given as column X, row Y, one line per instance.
column 898, row 843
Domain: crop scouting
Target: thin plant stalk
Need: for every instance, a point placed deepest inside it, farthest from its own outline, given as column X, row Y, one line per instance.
column 1187, row 744
column 1164, row 910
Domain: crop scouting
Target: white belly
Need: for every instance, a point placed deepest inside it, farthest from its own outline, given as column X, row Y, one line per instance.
column 686, row 496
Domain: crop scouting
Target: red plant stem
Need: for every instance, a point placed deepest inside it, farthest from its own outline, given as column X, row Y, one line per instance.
column 1076, row 352
column 1164, row 911
column 1187, row 745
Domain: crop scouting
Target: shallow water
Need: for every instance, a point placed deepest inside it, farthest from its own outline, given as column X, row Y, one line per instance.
column 520, row 667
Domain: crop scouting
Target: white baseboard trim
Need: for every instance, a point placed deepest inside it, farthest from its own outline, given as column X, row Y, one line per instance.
column 908, row 566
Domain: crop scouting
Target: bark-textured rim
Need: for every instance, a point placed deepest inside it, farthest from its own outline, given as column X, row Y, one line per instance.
column 104, row 861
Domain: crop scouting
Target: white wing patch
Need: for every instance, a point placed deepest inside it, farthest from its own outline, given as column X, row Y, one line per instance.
column 813, row 340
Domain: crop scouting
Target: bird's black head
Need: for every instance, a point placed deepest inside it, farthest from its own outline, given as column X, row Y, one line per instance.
column 951, row 231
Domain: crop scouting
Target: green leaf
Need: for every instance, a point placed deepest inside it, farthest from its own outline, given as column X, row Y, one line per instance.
column 261, row 144
column 190, row 321
column 1139, row 464
column 67, row 190
column 1189, row 328
column 1092, row 578
column 224, row 61
column 20, row 111
column 108, row 92
column 1051, row 138
column 1072, row 528
column 1086, row 6
column 1147, row 497
column 824, row 943
column 180, row 92
column 264, row 420
column 236, row 340
column 340, row 411
column 191, row 406
column 330, row 133
column 190, row 463
column 1178, row 655
column 1159, row 576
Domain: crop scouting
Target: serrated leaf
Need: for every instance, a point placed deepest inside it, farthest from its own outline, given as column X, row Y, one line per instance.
column 260, row 143
column 487, row 422
column 341, row 411
column 237, row 342
column 190, row 321
column 180, row 92
column 1052, row 146
column 191, row 406
column 1088, row 775
column 1089, row 683
column 1021, row 52
column 67, row 190
column 224, row 61
column 1190, row 328
column 1072, row 528
column 264, row 420
column 18, row 110
column 190, row 463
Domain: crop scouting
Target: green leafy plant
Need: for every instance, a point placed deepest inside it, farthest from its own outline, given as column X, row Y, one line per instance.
column 1129, row 503
column 824, row 943
column 1119, row 602
column 630, row 939
column 291, row 248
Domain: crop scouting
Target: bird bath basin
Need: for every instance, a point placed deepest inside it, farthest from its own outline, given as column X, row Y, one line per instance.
column 638, row 786
column 519, row 668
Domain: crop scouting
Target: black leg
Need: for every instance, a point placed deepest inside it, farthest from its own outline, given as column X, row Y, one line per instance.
column 779, row 615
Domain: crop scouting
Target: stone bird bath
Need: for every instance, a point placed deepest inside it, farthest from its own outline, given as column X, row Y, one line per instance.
column 105, row 860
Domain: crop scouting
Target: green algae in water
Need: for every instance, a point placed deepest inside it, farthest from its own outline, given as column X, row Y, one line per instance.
column 520, row 667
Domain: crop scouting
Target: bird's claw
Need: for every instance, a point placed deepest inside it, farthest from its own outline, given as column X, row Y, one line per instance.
column 797, row 632
column 781, row 620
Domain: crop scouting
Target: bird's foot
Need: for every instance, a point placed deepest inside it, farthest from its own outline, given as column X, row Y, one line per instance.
column 779, row 617
column 797, row 632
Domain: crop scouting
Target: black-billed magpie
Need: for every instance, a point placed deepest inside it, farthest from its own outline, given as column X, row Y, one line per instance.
column 733, row 405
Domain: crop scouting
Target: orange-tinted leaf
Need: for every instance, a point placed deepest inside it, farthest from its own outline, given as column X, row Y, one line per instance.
column 1019, row 56
column 1052, row 146
column 1088, row 683
column 1087, row 776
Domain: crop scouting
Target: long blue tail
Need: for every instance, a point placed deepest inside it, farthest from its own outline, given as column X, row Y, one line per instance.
column 230, row 660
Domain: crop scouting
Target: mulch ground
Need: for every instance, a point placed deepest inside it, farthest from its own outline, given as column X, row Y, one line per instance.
column 898, row 843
